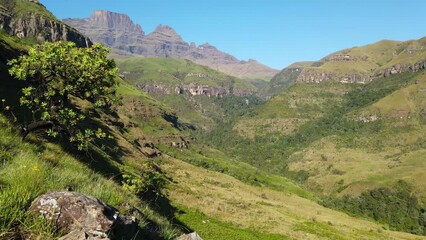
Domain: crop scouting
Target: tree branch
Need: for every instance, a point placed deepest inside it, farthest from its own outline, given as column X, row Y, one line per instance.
column 35, row 126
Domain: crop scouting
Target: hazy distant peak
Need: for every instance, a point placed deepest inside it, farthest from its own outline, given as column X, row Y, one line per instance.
column 117, row 31
column 164, row 29
column 206, row 45
column 114, row 20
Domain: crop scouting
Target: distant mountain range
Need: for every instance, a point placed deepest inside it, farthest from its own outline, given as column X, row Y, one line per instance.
column 120, row 33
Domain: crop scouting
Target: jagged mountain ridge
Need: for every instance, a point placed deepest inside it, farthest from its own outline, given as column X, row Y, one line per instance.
column 119, row 32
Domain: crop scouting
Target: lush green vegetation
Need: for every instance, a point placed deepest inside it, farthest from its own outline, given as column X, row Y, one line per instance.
column 22, row 8
column 397, row 207
column 203, row 156
column 55, row 74
column 270, row 152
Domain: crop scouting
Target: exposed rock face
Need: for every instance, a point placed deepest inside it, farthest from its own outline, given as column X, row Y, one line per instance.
column 40, row 27
column 81, row 216
column 190, row 236
column 400, row 68
column 316, row 76
column 113, row 29
column 163, row 42
column 118, row 31
column 195, row 89
column 366, row 63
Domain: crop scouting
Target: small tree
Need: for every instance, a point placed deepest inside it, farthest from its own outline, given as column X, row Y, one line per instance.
column 57, row 74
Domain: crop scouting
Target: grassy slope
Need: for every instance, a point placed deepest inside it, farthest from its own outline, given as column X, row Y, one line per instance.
column 394, row 151
column 173, row 72
column 259, row 209
column 200, row 111
column 31, row 168
column 374, row 57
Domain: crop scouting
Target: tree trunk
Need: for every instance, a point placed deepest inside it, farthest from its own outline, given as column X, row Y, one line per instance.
column 35, row 126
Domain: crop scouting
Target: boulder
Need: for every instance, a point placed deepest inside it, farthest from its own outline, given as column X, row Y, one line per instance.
column 190, row 236
column 81, row 216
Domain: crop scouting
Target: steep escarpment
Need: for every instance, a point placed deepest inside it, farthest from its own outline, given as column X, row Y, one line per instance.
column 113, row 29
column 364, row 64
column 119, row 32
column 30, row 19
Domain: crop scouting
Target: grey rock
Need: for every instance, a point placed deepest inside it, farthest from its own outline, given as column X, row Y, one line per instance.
column 190, row 236
column 83, row 217
column 76, row 212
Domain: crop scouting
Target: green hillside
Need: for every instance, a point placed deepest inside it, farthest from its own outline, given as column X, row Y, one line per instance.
column 192, row 149
column 170, row 81
column 340, row 139
column 357, row 64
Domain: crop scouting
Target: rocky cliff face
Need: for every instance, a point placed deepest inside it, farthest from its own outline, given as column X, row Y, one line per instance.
column 39, row 26
column 119, row 32
column 163, row 42
column 194, row 89
column 113, row 29
column 364, row 64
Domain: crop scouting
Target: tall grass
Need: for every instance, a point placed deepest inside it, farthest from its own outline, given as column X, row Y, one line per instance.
column 28, row 170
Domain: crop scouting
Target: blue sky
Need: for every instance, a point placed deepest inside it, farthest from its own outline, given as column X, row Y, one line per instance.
column 274, row 32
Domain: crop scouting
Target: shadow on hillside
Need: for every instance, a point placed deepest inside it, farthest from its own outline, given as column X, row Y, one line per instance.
column 161, row 204
column 103, row 157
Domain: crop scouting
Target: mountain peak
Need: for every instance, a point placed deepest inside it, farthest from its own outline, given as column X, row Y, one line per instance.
column 112, row 20
column 165, row 29
column 117, row 30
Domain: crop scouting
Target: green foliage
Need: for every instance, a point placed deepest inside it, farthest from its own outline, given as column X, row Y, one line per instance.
column 149, row 180
column 396, row 207
column 272, row 151
column 58, row 72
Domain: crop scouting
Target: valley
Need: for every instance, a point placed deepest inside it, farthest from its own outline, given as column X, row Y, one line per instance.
column 199, row 141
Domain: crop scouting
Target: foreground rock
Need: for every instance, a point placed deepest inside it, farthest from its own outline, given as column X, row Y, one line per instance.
column 190, row 236
column 82, row 216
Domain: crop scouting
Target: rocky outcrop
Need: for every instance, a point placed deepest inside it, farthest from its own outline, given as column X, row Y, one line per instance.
column 318, row 75
column 400, row 68
column 190, row 236
column 39, row 26
column 194, row 89
column 81, row 216
column 364, row 64
column 119, row 32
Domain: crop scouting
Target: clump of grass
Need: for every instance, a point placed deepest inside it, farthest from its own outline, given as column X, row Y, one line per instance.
column 29, row 170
